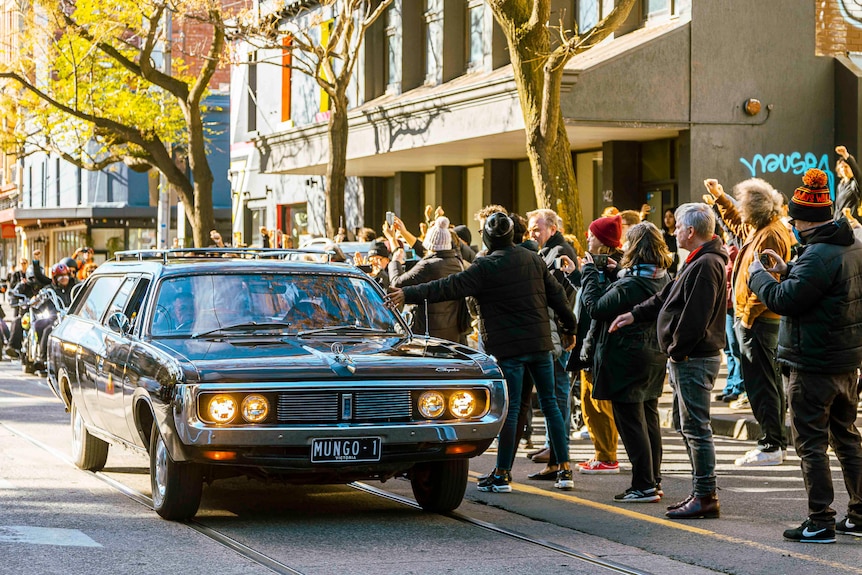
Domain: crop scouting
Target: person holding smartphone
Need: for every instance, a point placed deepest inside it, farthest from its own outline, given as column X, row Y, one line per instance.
column 756, row 219
column 820, row 349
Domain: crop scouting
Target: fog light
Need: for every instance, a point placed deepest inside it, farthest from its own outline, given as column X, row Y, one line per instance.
column 255, row 408
column 222, row 408
column 462, row 404
column 432, row 404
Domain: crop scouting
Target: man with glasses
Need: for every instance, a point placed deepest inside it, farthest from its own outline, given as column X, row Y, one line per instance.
column 819, row 297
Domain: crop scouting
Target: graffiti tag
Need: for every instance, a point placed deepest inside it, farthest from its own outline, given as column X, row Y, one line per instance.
column 852, row 11
column 794, row 163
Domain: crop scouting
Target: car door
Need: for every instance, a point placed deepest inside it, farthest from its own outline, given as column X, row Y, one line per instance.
column 90, row 345
column 110, row 372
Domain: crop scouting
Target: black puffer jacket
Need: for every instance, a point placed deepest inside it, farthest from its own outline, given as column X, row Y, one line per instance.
column 442, row 316
column 628, row 366
column 513, row 290
column 820, row 301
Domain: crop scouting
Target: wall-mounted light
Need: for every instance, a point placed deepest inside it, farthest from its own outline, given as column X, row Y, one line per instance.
column 751, row 106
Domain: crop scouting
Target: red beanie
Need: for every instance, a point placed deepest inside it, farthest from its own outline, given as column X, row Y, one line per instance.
column 608, row 230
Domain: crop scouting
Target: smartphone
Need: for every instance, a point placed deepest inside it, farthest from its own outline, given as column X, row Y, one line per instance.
column 390, row 218
column 766, row 260
column 601, row 260
column 558, row 263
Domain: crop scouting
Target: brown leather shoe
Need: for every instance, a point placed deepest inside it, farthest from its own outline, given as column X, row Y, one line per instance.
column 703, row 507
column 532, row 454
column 543, row 456
column 679, row 504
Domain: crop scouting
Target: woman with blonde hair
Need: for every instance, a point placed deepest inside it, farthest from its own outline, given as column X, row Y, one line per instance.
column 628, row 366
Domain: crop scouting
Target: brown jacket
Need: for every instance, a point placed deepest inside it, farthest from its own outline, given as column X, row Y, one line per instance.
column 774, row 236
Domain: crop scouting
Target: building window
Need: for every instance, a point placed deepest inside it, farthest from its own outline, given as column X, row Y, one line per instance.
column 286, row 75
column 588, row 12
column 654, row 8
column 475, row 34
column 433, row 45
column 252, row 92
column 325, row 32
column 392, row 62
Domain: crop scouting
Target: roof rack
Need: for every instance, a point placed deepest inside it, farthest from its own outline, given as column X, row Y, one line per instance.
column 234, row 253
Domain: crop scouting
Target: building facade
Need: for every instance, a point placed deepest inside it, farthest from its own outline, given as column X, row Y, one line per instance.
column 683, row 91
column 49, row 204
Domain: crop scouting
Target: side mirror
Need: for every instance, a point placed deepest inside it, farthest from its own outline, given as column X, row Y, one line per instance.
column 119, row 323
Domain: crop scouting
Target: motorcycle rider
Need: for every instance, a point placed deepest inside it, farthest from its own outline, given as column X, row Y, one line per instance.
column 20, row 296
column 61, row 285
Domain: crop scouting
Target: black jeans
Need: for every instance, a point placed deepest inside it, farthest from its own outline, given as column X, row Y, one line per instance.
column 823, row 413
column 763, row 382
column 639, row 428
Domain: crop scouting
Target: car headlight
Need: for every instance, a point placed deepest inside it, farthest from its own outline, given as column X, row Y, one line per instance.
column 255, row 408
column 222, row 408
column 432, row 404
column 462, row 404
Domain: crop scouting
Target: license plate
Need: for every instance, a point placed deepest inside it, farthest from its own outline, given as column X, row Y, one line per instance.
column 353, row 449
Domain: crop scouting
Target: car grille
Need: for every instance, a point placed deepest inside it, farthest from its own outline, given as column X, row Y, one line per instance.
column 334, row 406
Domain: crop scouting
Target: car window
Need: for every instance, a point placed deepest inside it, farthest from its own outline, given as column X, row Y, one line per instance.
column 119, row 301
column 200, row 303
column 100, row 295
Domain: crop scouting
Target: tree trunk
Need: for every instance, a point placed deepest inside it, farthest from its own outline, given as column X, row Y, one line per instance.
column 203, row 218
column 550, row 155
column 336, row 180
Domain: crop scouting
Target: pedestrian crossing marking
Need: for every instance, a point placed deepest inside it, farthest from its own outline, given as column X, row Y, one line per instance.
column 45, row 536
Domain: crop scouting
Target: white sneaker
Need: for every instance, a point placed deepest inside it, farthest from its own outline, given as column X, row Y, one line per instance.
column 756, row 457
column 741, row 403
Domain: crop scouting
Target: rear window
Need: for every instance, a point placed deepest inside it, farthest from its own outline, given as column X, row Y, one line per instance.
column 99, row 297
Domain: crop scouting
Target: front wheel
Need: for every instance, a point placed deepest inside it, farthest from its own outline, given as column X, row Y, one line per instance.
column 177, row 487
column 90, row 453
column 439, row 485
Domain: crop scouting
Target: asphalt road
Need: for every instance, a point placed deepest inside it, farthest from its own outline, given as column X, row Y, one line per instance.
column 57, row 519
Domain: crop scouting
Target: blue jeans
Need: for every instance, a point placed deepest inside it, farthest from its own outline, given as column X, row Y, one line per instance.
column 541, row 368
column 732, row 353
column 692, row 381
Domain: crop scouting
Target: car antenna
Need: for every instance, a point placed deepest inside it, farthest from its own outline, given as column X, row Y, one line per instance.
column 427, row 327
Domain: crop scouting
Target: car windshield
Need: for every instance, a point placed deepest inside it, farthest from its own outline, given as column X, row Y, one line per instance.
column 200, row 305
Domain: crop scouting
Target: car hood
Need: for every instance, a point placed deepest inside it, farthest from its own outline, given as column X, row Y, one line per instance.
column 277, row 359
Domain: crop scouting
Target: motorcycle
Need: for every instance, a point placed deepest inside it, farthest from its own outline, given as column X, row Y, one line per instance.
column 45, row 304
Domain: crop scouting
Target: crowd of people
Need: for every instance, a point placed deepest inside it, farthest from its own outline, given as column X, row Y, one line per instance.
column 772, row 282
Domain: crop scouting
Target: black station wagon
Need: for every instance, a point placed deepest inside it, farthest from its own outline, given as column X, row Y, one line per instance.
column 219, row 363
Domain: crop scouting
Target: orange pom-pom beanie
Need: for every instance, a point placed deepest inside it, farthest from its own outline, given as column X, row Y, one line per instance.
column 811, row 201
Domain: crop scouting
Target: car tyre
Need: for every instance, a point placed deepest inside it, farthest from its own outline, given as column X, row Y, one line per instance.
column 90, row 453
column 177, row 487
column 439, row 485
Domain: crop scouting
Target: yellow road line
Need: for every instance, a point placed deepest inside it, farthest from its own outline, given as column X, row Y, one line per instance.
column 562, row 496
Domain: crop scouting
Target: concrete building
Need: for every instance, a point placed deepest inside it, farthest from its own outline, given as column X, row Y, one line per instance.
column 683, row 91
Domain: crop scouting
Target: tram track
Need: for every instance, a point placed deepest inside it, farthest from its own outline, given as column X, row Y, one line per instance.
column 277, row 566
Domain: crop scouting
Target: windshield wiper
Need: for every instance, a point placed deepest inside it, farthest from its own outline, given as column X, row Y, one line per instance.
column 244, row 326
column 346, row 328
